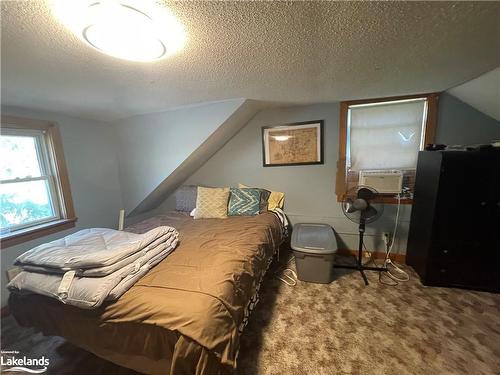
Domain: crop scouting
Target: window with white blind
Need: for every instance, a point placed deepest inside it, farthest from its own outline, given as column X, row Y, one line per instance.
column 375, row 128
column 34, row 189
column 384, row 134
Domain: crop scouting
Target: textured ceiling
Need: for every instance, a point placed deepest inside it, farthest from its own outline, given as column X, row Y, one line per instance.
column 482, row 93
column 293, row 52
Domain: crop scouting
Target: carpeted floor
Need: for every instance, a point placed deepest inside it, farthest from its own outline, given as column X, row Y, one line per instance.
column 347, row 328
column 339, row 328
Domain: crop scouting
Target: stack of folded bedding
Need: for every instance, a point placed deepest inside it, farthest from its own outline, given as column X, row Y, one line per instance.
column 93, row 265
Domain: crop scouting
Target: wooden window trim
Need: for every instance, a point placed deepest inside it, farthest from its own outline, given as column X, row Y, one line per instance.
column 32, row 233
column 55, row 148
column 429, row 135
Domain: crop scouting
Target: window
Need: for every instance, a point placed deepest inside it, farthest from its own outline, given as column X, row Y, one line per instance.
column 384, row 134
column 35, row 199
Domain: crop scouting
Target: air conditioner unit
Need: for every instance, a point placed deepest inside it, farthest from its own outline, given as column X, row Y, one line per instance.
column 384, row 181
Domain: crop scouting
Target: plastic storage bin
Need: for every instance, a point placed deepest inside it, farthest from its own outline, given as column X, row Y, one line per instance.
column 314, row 247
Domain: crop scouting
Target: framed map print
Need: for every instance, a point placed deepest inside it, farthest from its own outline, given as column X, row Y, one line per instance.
column 299, row 143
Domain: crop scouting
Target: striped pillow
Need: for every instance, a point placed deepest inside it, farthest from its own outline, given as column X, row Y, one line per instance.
column 244, row 202
column 276, row 199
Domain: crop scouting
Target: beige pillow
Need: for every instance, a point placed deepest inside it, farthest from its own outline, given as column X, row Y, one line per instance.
column 211, row 203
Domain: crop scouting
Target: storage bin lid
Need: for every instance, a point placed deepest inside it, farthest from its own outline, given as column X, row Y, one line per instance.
column 314, row 238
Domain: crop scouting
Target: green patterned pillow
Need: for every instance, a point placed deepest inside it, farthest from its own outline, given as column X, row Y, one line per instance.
column 244, row 202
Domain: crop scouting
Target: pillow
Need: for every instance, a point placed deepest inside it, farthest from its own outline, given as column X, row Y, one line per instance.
column 276, row 199
column 211, row 203
column 185, row 198
column 264, row 198
column 244, row 202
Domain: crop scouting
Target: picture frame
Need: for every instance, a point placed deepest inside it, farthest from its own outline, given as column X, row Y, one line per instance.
column 299, row 143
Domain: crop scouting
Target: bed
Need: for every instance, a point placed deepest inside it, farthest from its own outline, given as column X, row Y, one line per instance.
column 186, row 315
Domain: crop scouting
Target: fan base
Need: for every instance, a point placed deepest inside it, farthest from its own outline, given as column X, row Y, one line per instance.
column 362, row 270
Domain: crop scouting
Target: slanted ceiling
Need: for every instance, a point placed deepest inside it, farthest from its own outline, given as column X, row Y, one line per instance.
column 158, row 151
column 482, row 93
column 290, row 52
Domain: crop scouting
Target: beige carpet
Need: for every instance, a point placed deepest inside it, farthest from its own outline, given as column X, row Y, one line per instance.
column 340, row 328
column 347, row 328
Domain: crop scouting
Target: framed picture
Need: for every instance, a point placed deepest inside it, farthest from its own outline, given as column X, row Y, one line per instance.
column 299, row 143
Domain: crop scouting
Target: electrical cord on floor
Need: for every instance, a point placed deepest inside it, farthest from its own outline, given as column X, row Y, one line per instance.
column 382, row 277
column 402, row 275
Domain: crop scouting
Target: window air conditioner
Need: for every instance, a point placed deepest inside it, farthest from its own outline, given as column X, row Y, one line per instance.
column 383, row 181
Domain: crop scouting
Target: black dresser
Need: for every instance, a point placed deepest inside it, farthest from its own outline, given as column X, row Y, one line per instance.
column 454, row 237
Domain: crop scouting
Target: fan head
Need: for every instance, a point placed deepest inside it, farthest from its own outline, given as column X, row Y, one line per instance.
column 358, row 204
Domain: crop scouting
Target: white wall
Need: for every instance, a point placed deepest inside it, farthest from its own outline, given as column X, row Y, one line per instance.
column 460, row 123
column 481, row 93
column 152, row 146
column 92, row 163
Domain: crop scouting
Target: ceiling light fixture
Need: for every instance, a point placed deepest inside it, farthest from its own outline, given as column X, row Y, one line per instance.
column 137, row 30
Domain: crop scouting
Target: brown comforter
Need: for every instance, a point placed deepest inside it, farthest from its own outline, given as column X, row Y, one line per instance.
column 183, row 316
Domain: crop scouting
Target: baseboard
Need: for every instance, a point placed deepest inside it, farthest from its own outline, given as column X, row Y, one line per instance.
column 5, row 311
column 400, row 258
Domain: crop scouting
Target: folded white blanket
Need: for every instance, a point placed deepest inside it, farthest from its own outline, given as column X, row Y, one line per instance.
column 91, row 248
column 106, row 270
column 93, row 265
column 131, row 279
column 91, row 292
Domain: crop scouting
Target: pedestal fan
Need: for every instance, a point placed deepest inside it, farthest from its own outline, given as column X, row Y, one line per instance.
column 358, row 206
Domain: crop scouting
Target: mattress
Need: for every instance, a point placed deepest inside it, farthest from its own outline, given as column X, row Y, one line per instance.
column 182, row 317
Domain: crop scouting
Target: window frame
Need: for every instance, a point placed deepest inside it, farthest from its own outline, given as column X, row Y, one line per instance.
column 429, row 134
column 47, row 174
column 49, row 147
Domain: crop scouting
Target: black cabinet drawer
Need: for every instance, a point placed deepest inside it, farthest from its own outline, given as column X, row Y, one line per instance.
column 454, row 223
